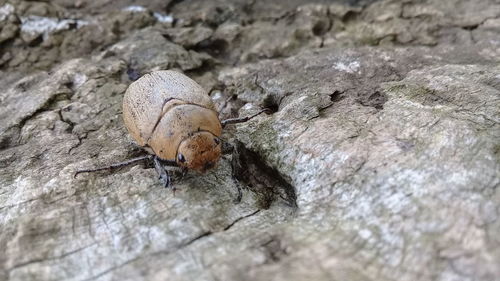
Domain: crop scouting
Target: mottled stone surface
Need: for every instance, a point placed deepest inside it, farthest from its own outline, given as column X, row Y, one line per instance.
column 408, row 177
column 380, row 160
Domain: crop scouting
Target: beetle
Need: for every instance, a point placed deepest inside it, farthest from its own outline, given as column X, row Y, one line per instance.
column 173, row 118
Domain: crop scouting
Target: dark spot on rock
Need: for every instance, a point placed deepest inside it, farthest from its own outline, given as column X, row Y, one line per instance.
column 72, row 25
column 320, row 28
column 336, row 96
column 69, row 84
column 376, row 100
column 470, row 27
column 274, row 249
column 350, row 16
column 37, row 41
column 133, row 74
column 271, row 103
column 215, row 47
column 171, row 5
column 10, row 137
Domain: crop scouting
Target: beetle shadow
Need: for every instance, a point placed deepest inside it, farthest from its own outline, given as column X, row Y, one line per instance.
column 266, row 182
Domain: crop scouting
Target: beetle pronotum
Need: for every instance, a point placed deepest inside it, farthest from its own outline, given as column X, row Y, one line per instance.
column 173, row 118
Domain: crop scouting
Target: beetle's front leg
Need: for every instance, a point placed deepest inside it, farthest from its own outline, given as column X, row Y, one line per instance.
column 164, row 176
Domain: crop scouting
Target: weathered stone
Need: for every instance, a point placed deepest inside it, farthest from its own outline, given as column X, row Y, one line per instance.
column 424, row 164
column 189, row 37
column 148, row 50
column 99, row 7
column 413, row 22
column 8, row 30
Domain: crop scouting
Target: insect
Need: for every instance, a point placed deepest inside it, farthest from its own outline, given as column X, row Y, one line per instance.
column 174, row 120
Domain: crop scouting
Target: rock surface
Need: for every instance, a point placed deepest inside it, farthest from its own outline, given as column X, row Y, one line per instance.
column 380, row 161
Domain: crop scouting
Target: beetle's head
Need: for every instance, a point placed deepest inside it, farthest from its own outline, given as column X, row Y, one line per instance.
column 200, row 151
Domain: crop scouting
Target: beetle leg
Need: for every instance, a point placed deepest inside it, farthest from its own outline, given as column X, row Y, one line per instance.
column 184, row 172
column 242, row 119
column 114, row 166
column 164, row 176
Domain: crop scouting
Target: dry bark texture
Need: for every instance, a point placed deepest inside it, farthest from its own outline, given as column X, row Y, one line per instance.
column 381, row 160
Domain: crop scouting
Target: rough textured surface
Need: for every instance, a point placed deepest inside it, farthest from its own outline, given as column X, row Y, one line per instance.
column 380, row 161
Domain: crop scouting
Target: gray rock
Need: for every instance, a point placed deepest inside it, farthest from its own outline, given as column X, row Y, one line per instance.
column 189, row 36
column 148, row 50
column 404, row 184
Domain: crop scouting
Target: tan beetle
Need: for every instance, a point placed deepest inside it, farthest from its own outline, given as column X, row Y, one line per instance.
column 174, row 119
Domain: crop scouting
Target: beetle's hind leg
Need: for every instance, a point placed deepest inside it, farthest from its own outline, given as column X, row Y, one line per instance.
column 115, row 165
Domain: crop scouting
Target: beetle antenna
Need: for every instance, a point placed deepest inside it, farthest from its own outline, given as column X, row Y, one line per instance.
column 243, row 119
